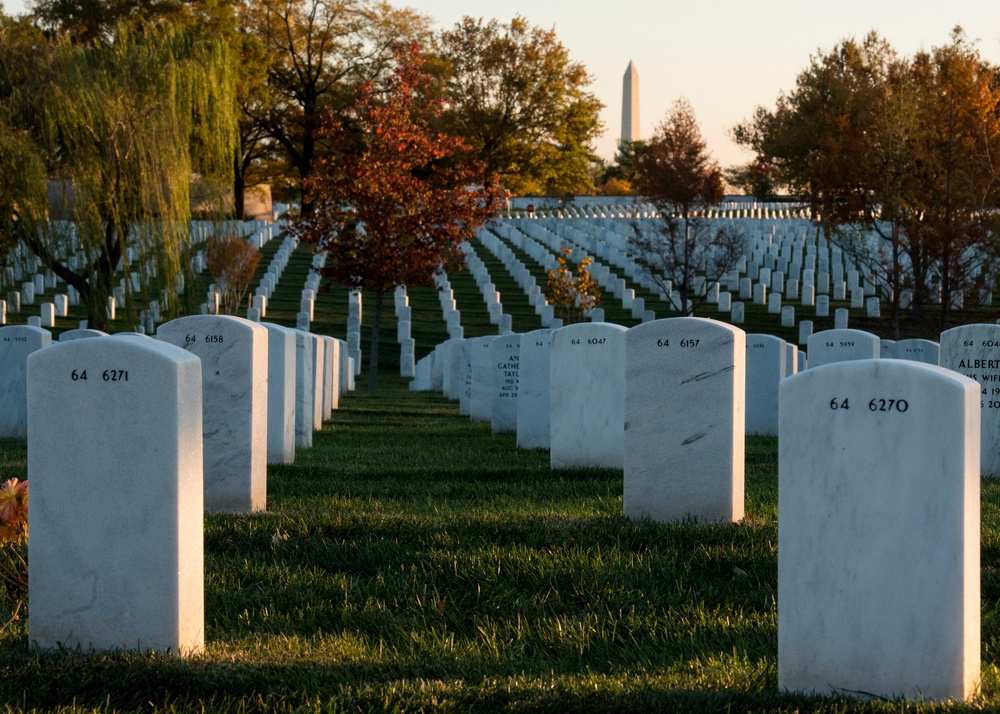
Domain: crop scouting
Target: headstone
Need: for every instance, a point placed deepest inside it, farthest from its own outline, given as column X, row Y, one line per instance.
column 736, row 313
column 81, row 333
column 453, row 383
column 878, row 531
column 304, row 402
column 805, row 331
column 233, row 354
column 766, row 365
column 841, row 345
column 281, row 384
column 504, row 360
column 331, row 374
column 822, row 306
column 587, row 404
column 684, row 431
column 974, row 351
column 116, row 518
column 16, row 343
column 916, row 350
column 319, row 379
column 533, row 390
column 788, row 316
column 840, row 318
column 481, row 397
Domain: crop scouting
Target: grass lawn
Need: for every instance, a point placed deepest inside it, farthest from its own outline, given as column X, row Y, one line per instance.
column 410, row 561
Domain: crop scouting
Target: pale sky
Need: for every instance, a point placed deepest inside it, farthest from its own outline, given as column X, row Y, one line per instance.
column 726, row 57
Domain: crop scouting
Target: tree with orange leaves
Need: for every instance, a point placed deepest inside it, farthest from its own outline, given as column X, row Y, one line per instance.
column 393, row 203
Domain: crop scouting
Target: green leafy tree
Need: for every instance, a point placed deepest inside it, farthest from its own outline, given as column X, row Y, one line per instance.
column 393, row 203
column 119, row 127
column 681, row 247
column 522, row 105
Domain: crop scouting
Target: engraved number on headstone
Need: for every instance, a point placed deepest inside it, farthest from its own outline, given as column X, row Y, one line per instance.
column 888, row 405
column 837, row 403
column 115, row 375
column 78, row 375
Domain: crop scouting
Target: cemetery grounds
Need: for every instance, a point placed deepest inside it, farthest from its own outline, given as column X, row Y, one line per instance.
column 412, row 561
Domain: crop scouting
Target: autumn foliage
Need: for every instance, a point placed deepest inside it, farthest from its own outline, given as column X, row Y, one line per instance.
column 232, row 262
column 572, row 296
column 14, row 537
column 393, row 203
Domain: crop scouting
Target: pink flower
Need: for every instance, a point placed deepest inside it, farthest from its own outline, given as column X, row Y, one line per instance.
column 13, row 509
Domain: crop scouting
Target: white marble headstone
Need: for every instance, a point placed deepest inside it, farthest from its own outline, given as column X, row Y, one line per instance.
column 587, row 395
column 766, row 366
column 974, row 351
column 504, row 360
column 917, row 350
column 116, row 526
column 684, row 420
column 878, row 531
column 16, row 343
column 841, row 345
column 81, row 333
column 481, row 394
column 280, row 394
column 233, row 354
column 304, row 401
column 533, row 390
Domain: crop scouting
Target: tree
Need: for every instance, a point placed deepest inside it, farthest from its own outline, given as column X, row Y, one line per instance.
column 675, row 173
column 957, row 183
column 120, row 127
column 572, row 296
column 902, row 148
column 521, row 103
column 392, row 204
column 232, row 261
column 320, row 51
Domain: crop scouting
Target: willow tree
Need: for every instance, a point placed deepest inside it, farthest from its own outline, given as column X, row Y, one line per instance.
column 120, row 129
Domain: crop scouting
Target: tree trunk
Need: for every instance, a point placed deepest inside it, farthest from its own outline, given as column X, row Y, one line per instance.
column 239, row 189
column 373, row 347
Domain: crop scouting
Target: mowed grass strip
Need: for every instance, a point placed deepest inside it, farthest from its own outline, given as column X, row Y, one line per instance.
column 411, row 561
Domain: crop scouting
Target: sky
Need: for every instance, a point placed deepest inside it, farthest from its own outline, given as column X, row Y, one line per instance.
column 724, row 56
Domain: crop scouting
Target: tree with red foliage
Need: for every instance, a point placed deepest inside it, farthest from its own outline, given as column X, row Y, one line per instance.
column 393, row 203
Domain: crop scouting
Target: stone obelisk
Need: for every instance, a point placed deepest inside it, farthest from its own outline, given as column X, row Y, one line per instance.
column 630, row 104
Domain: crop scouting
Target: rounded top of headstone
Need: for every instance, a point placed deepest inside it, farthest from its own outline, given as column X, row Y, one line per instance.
column 120, row 346
column 81, row 333
column 854, row 370
column 25, row 329
column 685, row 323
column 591, row 328
column 275, row 326
column 208, row 322
column 763, row 337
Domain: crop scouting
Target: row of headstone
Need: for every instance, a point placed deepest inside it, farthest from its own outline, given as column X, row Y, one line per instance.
column 867, row 604
column 199, row 411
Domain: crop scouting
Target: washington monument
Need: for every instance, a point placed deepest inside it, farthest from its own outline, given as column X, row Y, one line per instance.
column 630, row 104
